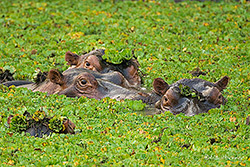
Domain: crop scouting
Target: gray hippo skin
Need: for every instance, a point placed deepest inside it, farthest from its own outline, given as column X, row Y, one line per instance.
column 94, row 61
column 190, row 96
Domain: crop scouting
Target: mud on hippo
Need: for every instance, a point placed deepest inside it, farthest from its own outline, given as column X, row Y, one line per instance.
column 190, row 96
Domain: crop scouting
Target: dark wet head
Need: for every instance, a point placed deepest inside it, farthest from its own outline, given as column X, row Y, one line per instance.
column 91, row 62
column 190, row 96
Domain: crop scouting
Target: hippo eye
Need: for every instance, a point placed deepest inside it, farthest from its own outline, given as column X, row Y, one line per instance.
column 220, row 97
column 87, row 64
column 83, row 81
column 165, row 98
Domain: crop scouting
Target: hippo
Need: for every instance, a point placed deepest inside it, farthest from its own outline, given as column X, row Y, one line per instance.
column 77, row 82
column 94, row 61
column 91, row 86
column 58, row 81
column 190, row 96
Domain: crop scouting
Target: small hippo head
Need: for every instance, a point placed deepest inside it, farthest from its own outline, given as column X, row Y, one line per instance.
column 94, row 61
column 190, row 96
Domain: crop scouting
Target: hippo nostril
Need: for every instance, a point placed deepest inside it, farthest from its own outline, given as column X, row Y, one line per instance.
column 87, row 64
column 83, row 82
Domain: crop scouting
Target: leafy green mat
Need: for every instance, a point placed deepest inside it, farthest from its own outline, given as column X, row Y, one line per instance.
column 169, row 40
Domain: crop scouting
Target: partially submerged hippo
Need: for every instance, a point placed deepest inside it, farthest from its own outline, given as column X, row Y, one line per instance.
column 40, row 125
column 58, row 81
column 190, row 96
column 77, row 82
column 91, row 86
column 94, row 61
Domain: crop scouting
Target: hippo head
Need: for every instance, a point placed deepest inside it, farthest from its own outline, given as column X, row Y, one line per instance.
column 83, row 82
column 190, row 96
column 94, row 61
column 79, row 82
column 89, row 61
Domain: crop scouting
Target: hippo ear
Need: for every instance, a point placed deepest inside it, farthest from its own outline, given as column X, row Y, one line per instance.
column 222, row 83
column 160, row 86
column 56, row 77
column 71, row 58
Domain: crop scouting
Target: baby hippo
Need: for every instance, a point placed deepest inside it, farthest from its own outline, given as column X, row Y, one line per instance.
column 190, row 96
column 94, row 61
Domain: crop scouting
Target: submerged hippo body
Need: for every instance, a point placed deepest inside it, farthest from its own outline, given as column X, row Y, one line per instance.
column 190, row 96
column 94, row 61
